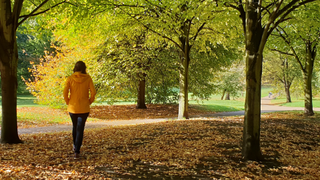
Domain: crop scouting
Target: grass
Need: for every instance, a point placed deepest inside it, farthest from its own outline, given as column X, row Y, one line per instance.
column 295, row 102
column 265, row 91
column 219, row 105
column 27, row 101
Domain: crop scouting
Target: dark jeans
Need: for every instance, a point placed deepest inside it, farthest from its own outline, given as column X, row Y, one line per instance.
column 78, row 122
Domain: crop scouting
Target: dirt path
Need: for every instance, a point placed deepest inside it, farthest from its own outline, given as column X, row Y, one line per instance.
column 266, row 106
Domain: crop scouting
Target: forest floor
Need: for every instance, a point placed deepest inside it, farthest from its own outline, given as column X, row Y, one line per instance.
column 199, row 148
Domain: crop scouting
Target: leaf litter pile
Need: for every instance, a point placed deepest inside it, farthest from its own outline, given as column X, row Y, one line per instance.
column 200, row 148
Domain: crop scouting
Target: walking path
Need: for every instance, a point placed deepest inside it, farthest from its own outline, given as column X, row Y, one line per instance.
column 266, row 106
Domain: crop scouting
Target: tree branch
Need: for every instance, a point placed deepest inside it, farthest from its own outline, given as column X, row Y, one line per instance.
column 281, row 52
column 152, row 30
column 242, row 13
column 200, row 28
column 33, row 13
column 16, row 12
column 292, row 49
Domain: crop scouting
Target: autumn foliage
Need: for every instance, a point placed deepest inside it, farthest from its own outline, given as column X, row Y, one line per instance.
column 49, row 75
column 48, row 78
column 200, row 148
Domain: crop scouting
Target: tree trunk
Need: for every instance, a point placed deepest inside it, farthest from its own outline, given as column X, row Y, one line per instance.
column 251, row 132
column 8, row 67
column 184, row 71
column 224, row 91
column 310, row 57
column 287, row 89
column 141, row 103
column 9, row 129
column 227, row 96
column 308, row 107
column 183, row 92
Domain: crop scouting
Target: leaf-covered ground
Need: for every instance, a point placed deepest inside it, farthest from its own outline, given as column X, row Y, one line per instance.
column 206, row 148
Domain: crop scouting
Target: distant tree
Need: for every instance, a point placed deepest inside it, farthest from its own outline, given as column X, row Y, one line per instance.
column 302, row 37
column 281, row 70
column 181, row 24
column 231, row 81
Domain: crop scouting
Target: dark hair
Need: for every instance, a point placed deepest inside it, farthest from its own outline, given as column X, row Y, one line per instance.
column 80, row 66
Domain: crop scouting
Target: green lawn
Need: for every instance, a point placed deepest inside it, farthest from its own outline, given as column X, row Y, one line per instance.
column 216, row 104
column 27, row 101
column 265, row 91
column 296, row 102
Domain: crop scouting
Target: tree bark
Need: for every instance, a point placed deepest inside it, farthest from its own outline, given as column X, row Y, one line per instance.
column 307, row 77
column 227, row 96
column 287, row 80
column 224, row 91
column 251, row 132
column 183, row 92
column 8, row 68
column 184, row 71
column 9, row 83
column 287, row 89
column 308, row 107
column 141, row 103
column 9, row 129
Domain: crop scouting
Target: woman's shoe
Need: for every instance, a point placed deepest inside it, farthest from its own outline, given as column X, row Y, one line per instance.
column 76, row 155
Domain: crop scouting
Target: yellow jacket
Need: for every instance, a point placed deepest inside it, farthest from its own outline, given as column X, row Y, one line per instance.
column 79, row 85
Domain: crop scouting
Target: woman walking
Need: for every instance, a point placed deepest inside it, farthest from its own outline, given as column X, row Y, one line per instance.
column 79, row 93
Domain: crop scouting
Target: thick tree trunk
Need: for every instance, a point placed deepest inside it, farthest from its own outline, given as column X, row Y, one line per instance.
column 251, row 132
column 8, row 68
column 9, row 129
column 227, row 96
column 141, row 103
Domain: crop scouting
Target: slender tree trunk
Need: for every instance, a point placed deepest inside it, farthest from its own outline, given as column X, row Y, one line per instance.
column 183, row 92
column 287, row 89
column 227, row 96
column 310, row 57
column 141, row 103
column 224, row 91
column 287, row 82
column 308, row 107
column 184, row 71
column 251, row 132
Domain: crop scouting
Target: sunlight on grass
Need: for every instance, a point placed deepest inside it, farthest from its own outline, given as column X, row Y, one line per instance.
column 295, row 102
column 216, row 104
column 27, row 101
